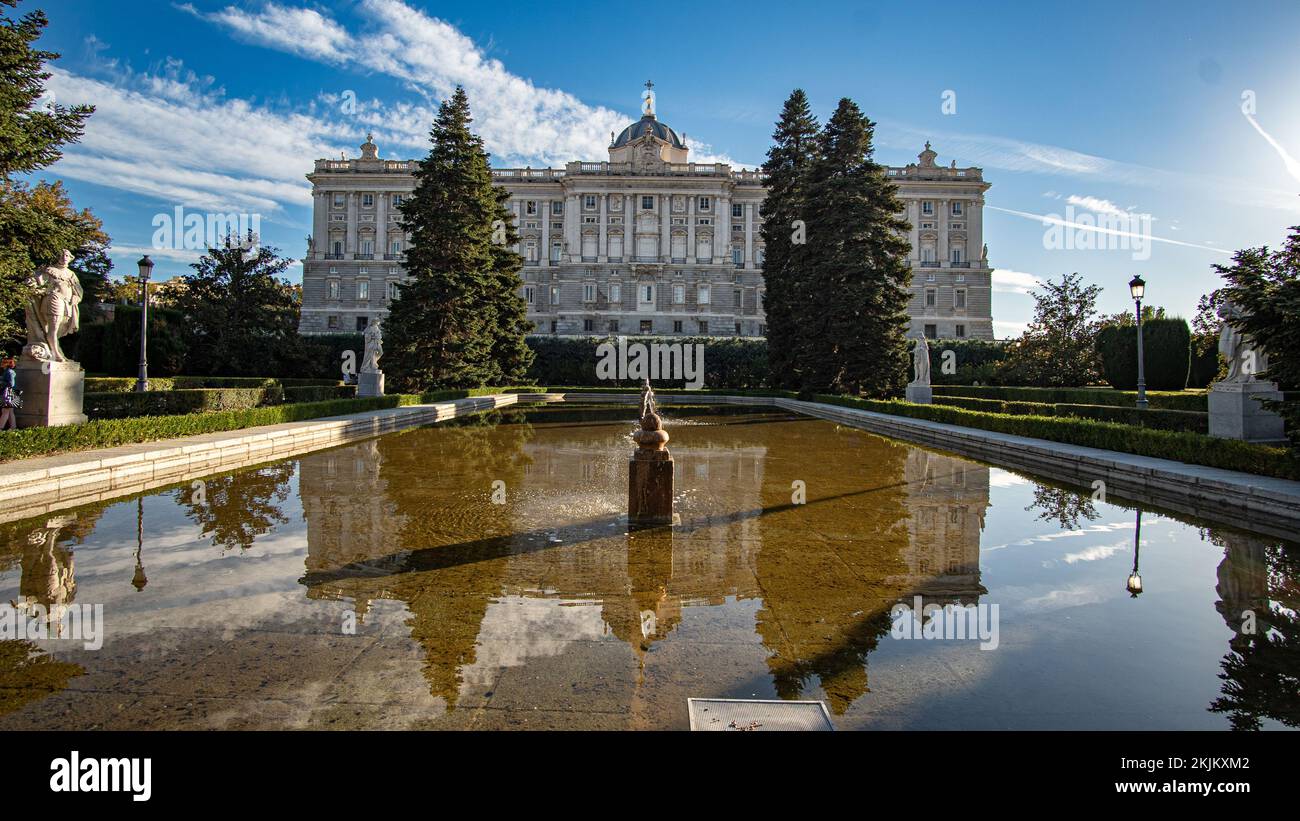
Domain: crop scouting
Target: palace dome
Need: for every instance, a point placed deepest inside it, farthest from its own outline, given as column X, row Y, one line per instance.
column 648, row 125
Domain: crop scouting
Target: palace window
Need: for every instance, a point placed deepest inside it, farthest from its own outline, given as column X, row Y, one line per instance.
column 362, row 322
column 557, row 207
column 647, row 326
column 530, row 207
column 703, row 294
column 332, row 322
column 334, row 289
column 589, row 202
column 530, row 294
column 555, row 294
column 589, row 292
column 737, row 210
column 956, row 208
column 931, row 331
column 679, row 294
column 397, row 200
column 931, row 297
column 738, row 329
column 339, row 200
column 588, row 325
column 615, row 292
column 647, row 203
column 367, row 200
column 613, row 326
column 704, row 327
column 927, row 207
column 394, row 289
column 961, row 331
column 677, row 326
column 705, row 203
column 363, row 289
column 959, row 298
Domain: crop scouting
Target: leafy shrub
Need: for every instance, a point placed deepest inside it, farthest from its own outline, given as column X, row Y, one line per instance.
column 728, row 362
column 1166, row 348
column 318, row 393
column 1206, row 364
column 976, row 360
column 324, row 353
column 119, row 353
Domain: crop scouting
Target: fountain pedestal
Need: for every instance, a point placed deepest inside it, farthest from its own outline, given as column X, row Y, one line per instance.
column 650, row 471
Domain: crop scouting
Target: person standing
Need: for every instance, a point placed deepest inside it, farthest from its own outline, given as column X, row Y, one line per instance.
column 10, row 399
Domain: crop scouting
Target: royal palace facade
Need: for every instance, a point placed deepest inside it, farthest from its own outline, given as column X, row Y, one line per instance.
column 647, row 242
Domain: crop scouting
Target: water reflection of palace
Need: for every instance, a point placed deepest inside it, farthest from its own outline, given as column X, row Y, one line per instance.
column 384, row 523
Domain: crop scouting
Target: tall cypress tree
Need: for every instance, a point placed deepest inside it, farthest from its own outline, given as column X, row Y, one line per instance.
column 458, row 312
column 854, row 319
column 794, row 146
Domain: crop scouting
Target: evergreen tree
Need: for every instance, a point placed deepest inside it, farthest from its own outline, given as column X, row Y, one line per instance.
column 241, row 318
column 1058, row 349
column 853, row 319
column 37, row 221
column 793, row 150
column 458, row 321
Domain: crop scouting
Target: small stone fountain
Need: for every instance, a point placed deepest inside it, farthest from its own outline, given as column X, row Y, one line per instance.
column 650, row 472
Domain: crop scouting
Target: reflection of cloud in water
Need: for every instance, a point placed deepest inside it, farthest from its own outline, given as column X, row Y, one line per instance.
column 1073, row 596
column 1005, row 478
column 1096, row 552
column 518, row 628
column 1070, row 534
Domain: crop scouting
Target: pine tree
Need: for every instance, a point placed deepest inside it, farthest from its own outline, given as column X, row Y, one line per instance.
column 37, row 222
column 793, row 150
column 853, row 319
column 458, row 321
column 241, row 317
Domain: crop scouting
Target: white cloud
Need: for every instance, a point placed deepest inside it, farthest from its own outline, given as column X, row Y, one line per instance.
column 1100, row 206
column 1053, row 219
column 1006, row 329
column 1014, row 282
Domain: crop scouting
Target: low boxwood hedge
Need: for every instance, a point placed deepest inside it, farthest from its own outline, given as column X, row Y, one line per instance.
column 25, row 443
column 124, row 384
column 1181, row 446
column 1161, row 419
column 318, row 393
column 1165, row 400
column 191, row 400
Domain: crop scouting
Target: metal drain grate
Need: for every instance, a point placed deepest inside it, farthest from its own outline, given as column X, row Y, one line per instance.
column 743, row 714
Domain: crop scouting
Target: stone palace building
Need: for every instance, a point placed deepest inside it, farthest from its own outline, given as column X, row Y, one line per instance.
column 647, row 242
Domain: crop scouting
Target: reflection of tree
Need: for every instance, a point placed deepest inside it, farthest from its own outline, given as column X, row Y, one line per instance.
column 825, row 609
column 1261, row 672
column 1065, row 507
column 235, row 509
column 27, row 674
column 433, row 540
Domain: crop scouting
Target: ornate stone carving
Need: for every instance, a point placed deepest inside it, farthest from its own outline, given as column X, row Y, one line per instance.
column 374, row 339
column 53, row 310
column 921, row 362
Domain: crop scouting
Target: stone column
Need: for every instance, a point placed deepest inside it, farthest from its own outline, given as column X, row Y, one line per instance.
column 665, row 228
column 381, row 223
column 942, row 250
column 749, row 236
column 975, row 231
column 545, row 207
column 690, row 228
column 572, row 225
column 914, row 217
column 320, row 232
column 602, row 249
column 721, row 230
column 351, row 247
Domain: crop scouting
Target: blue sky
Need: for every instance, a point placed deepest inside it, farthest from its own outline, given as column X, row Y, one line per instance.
column 1185, row 112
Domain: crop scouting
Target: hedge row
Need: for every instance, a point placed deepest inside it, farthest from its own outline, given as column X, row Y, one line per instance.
column 193, row 400
column 105, row 433
column 1166, row 400
column 1195, row 421
column 1166, row 351
column 121, row 384
column 318, row 393
column 728, row 362
column 1181, row 446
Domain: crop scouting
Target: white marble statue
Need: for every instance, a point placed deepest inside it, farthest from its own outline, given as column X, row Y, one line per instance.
column 374, row 338
column 1244, row 361
column 921, row 362
column 53, row 310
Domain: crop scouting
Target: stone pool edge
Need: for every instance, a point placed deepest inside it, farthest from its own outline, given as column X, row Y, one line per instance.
column 31, row 487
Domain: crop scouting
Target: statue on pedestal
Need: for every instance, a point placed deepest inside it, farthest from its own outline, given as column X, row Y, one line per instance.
column 53, row 310
column 1236, row 402
column 370, row 380
column 918, row 390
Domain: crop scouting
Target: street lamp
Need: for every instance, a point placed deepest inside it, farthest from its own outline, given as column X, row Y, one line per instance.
column 1134, row 584
column 1137, row 287
column 146, row 268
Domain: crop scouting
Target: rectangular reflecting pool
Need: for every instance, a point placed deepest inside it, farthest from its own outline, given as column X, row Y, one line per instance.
column 481, row 575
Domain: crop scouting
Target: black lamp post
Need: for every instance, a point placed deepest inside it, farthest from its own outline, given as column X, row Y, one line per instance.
column 1134, row 579
column 146, row 268
column 1137, row 287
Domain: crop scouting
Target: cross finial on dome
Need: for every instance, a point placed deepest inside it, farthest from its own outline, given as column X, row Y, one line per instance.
column 649, row 84
column 648, row 100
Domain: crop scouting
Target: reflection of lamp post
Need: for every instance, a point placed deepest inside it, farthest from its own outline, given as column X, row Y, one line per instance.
column 146, row 268
column 1134, row 579
column 138, row 581
column 1137, row 287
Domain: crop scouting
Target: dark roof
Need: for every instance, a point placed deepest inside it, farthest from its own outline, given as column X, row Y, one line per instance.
column 648, row 125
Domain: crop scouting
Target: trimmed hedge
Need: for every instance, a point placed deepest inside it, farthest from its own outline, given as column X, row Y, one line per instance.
column 25, row 443
column 1165, row 400
column 1181, row 446
column 1166, row 349
column 1197, row 422
column 114, row 347
column 976, row 360
column 113, row 384
column 193, row 400
column 318, row 393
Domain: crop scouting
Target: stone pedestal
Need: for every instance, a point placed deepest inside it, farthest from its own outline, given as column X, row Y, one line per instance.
column 1236, row 412
column 52, row 393
column 650, row 488
column 920, row 394
column 370, row 383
